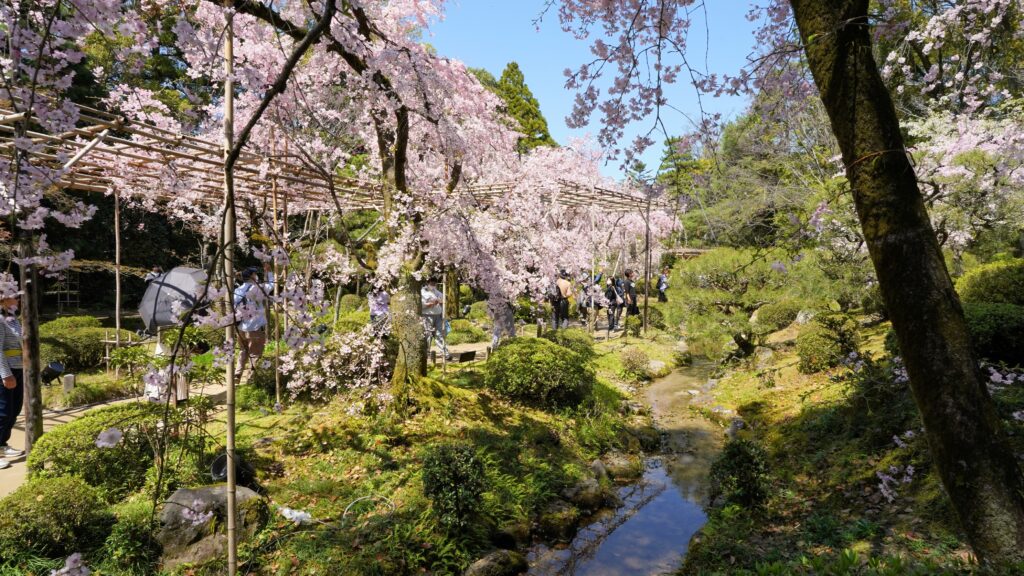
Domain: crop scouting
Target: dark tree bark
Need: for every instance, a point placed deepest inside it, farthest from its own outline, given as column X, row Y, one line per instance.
column 30, row 350
column 977, row 467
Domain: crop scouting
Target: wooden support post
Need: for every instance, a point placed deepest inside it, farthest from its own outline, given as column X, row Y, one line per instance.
column 30, row 348
column 278, row 309
column 227, row 252
column 117, row 276
column 647, row 256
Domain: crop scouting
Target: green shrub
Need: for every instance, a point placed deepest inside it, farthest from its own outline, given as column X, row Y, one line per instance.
column 872, row 302
column 131, row 358
column 538, row 372
column 350, row 303
column 633, row 325
column 131, row 547
column 194, row 339
column 575, row 339
column 478, row 311
column 52, row 517
column 71, row 450
column 826, row 341
column 634, row 363
column 740, row 474
column 260, row 391
column 464, row 331
column 997, row 331
column 78, row 349
column 454, row 479
column 353, row 321
column 777, row 315
column 66, row 323
column 655, row 318
column 1001, row 282
column 465, row 295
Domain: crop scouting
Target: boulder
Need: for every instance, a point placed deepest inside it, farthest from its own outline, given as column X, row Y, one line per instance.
column 735, row 425
column 512, row 535
column 623, row 467
column 194, row 522
column 763, row 357
column 498, row 563
column 587, row 494
column 558, row 521
column 804, row 316
column 657, row 369
column 599, row 470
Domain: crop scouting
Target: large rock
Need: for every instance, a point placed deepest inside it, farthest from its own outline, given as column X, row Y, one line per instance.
column 623, row 467
column 804, row 316
column 498, row 563
column 558, row 521
column 587, row 494
column 763, row 357
column 599, row 469
column 657, row 369
column 194, row 522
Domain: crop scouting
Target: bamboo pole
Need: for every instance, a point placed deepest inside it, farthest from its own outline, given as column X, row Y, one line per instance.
column 117, row 276
column 277, row 306
column 227, row 251
column 647, row 258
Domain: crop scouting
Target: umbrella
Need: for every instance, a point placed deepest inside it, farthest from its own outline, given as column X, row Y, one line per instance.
column 178, row 290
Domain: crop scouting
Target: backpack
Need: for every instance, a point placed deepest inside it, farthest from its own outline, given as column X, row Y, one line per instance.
column 553, row 292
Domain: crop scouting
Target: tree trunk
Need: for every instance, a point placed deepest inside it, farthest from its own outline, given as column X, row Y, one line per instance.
column 452, row 305
column 30, row 350
column 407, row 330
column 977, row 467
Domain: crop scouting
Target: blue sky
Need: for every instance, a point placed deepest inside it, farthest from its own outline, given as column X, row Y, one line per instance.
column 490, row 33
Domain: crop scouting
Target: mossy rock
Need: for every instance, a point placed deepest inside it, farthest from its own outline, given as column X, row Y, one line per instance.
column 559, row 521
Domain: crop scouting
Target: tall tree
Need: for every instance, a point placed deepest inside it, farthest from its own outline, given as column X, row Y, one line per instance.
column 523, row 107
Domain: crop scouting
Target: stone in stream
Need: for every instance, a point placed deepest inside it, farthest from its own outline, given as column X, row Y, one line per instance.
column 735, row 425
column 599, row 470
column 194, row 521
column 657, row 369
column 498, row 563
column 587, row 494
column 623, row 467
column 558, row 521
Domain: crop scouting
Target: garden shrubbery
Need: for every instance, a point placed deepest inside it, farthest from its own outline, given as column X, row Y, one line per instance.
column 997, row 331
column 454, row 479
column 131, row 547
column 464, row 331
column 352, row 321
column 633, row 326
column 740, row 474
column 635, row 363
column 76, row 348
column 66, row 323
column 575, row 339
column 826, row 341
column 350, row 303
column 777, row 315
column 538, row 372
column 71, row 450
column 52, row 517
column 1001, row 281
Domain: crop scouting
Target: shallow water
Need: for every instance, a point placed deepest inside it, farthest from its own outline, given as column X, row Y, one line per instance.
column 650, row 532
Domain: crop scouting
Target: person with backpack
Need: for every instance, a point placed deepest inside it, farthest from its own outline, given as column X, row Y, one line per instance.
column 616, row 301
column 629, row 290
column 432, row 301
column 560, row 300
column 663, row 285
column 251, row 317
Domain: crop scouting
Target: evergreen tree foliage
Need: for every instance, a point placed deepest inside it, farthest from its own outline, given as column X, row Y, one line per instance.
column 523, row 107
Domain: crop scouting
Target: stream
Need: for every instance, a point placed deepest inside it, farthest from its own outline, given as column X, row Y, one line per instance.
column 650, row 532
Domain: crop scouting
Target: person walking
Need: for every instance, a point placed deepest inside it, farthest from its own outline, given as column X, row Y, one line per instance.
column 12, row 393
column 563, row 292
column 663, row 285
column 629, row 290
column 616, row 301
column 433, row 311
column 250, row 310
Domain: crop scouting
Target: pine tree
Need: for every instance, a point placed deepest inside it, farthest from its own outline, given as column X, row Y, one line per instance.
column 521, row 105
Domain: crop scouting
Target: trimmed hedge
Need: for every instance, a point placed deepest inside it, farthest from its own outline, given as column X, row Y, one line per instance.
column 575, row 339
column 824, row 343
column 777, row 315
column 52, row 517
column 997, row 332
column 350, row 303
column 71, row 450
column 538, row 372
column 464, row 331
column 1000, row 282
column 77, row 348
column 65, row 323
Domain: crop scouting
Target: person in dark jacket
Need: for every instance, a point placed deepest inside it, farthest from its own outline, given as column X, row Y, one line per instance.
column 616, row 301
column 629, row 288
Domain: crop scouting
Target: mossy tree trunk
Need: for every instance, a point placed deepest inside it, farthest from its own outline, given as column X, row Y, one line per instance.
column 977, row 467
column 407, row 330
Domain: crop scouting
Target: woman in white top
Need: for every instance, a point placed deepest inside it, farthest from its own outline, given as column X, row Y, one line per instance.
column 12, row 393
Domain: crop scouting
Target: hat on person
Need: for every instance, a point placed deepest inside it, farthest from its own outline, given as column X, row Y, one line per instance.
column 563, row 273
